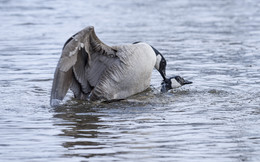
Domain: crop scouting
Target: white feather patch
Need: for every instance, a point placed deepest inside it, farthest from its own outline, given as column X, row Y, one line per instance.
column 81, row 45
column 73, row 52
column 175, row 83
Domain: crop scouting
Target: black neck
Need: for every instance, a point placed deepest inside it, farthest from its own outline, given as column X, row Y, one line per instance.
column 156, row 51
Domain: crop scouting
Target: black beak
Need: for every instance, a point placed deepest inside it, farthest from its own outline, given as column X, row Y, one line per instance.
column 187, row 82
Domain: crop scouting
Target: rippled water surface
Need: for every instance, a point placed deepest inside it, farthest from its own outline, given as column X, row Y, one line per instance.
column 215, row 44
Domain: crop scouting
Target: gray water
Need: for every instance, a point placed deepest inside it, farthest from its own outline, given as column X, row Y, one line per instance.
column 215, row 44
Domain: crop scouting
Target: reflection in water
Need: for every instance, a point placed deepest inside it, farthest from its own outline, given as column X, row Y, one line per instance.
column 81, row 123
column 86, row 123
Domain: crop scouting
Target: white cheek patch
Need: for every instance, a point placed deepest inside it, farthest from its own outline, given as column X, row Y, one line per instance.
column 158, row 61
column 175, row 84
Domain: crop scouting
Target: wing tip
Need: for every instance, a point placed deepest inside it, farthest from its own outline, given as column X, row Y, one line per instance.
column 55, row 102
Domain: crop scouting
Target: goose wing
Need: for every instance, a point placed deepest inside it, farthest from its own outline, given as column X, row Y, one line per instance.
column 84, row 58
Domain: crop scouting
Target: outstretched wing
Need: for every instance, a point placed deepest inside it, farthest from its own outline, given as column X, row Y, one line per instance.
column 84, row 57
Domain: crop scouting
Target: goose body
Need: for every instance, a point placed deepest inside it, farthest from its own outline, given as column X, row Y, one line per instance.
column 129, row 75
column 95, row 71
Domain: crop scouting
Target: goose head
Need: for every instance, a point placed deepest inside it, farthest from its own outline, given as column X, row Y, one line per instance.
column 173, row 82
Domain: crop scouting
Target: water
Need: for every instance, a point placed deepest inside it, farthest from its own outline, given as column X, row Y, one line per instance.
column 215, row 44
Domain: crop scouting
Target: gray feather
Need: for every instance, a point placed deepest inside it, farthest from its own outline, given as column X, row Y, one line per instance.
column 80, row 72
column 98, row 65
column 83, row 60
column 61, row 83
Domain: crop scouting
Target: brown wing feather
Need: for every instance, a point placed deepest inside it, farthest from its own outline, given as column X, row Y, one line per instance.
column 99, row 47
column 83, row 60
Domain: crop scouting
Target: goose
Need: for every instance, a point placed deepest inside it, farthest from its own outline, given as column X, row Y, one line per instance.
column 95, row 71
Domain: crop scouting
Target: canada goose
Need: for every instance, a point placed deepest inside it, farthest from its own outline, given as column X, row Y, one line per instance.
column 173, row 82
column 95, row 71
